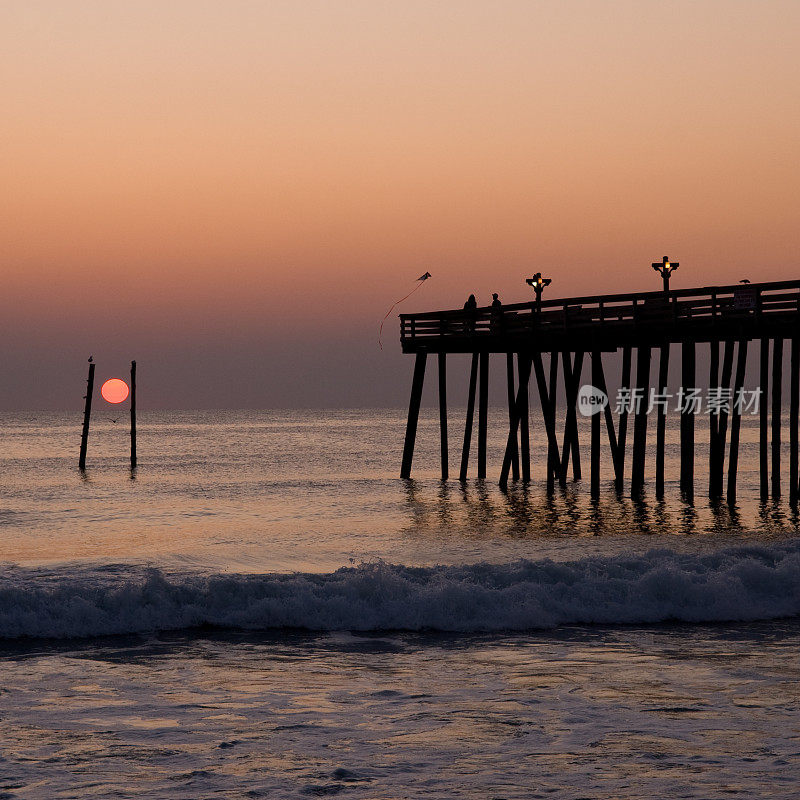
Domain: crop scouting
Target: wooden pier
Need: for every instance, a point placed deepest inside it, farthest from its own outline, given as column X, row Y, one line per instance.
column 571, row 329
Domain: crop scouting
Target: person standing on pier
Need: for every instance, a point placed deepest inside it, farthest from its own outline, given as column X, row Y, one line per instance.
column 496, row 320
column 471, row 309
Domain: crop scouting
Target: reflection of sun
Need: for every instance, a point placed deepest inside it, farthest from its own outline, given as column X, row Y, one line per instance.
column 114, row 390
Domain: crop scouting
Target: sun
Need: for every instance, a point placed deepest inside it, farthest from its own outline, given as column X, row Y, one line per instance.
column 114, row 390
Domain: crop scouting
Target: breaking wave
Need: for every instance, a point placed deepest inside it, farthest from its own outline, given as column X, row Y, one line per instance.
column 737, row 583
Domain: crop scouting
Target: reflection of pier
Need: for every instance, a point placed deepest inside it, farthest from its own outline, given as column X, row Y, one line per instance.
column 571, row 328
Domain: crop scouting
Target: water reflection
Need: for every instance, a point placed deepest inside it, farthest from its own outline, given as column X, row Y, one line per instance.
column 479, row 509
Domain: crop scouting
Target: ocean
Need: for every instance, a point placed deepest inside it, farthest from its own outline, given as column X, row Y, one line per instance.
column 264, row 609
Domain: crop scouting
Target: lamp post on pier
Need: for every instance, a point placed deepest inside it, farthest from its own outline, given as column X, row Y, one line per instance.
column 666, row 268
column 538, row 283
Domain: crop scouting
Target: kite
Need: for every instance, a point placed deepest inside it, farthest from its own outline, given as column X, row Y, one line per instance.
column 420, row 281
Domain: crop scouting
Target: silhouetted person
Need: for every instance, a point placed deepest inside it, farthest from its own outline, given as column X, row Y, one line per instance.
column 471, row 312
column 496, row 319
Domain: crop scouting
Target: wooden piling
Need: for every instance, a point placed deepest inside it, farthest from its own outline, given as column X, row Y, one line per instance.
column 524, row 374
column 794, row 408
column 548, row 418
column 777, row 382
column 519, row 411
column 688, row 361
column 571, row 446
column 413, row 413
column 736, row 418
column 718, row 466
column 594, row 469
column 133, row 415
column 483, row 413
column 713, row 419
column 622, row 436
column 511, row 401
column 555, row 468
column 763, row 422
column 640, row 421
column 87, row 413
column 443, row 415
column 661, row 423
column 473, row 382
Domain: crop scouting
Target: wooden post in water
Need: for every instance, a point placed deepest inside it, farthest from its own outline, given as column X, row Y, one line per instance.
column 443, row 414
column 718, row 467
column 794, row 408
column 713, row 418
column 622, row 438
column 520, row 410
column 87, row 413
column 483, row 412
column 555, row 467
column 413, row 413
column 640, row 421
column 687, row 420
column 133, row 415
column 524, row 372
column 594, row 468
column 571, row 446
column 661, row 426
column 473, row 382
column 777, row 381
column 763, row 412
column 736, row 419
column 548, row 418
column 511, row 401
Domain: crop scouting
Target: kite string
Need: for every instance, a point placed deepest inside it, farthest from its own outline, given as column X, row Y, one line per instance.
column 380, row 330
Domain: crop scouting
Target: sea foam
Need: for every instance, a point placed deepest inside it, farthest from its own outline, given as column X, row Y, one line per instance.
column 736, row 583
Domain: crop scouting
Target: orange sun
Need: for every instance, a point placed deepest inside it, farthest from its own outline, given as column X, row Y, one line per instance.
column 114, row 390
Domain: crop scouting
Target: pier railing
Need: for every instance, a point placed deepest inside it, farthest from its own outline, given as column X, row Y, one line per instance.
column 604, row 314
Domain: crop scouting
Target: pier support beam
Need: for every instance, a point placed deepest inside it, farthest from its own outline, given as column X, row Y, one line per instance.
column 713, row 418
column 519, row 411
column 763, row 421
column 511, row 400
column 524, row 375
column 553, row 459
column 571, row 447
column 622, row 437
column 443, row 415
column 413, row 414
column 736, row 418
column 777, row 381
column 794, row 408
column 688, row 360
column 717, row 471
column 483, row 412
column 661, row 424
column 594, row 469
column 473, row 382
column 640, row 421
column 554, row 469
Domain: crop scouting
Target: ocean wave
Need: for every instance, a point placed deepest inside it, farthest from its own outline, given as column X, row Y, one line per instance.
column 734, row 584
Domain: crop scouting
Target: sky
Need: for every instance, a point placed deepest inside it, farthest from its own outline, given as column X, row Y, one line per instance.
column 234, row 193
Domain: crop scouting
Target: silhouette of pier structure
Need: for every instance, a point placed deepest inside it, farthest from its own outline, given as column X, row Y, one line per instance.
column 577, row 332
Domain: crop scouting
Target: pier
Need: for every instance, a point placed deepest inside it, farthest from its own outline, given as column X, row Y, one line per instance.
column 576, row 333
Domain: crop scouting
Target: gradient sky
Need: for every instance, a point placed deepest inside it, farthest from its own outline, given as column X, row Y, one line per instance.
column 233, row 193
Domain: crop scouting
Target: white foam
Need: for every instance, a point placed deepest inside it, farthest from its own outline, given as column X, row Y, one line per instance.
column 739, row 583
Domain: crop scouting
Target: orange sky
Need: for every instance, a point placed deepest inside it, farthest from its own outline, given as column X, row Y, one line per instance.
column 244, row 173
